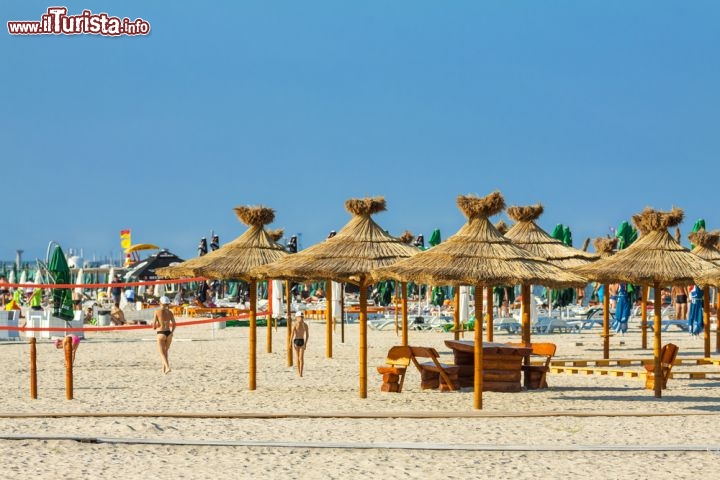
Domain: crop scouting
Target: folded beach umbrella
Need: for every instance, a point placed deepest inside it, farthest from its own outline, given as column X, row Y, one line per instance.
column 59, row 272
column 655, row 259
column 697, row 226
column 478, row 255
column 705, row 247
column 235, row 261
column 626, row 235
column 350, row 256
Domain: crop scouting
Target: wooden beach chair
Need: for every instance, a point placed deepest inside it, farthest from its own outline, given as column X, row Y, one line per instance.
column 434, row 374
column 397, row 361
column 667, row 357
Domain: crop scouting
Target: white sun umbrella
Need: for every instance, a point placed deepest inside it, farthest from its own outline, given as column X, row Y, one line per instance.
column 464, row 304
column 337, row 301
column 11, row 278
column 159, row 290
column 79, row 281
column 277, row 298
column 111, row 276
column 23, row 277
column 38, row 277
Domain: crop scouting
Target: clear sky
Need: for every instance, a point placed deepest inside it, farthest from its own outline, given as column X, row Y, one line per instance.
column 595, row 109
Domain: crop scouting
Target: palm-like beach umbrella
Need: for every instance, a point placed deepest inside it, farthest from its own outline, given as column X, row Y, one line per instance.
column 528, row 235
column 235, row 261
column 60, row 274
column 656, row 259
column 350, row 256
column 478, row 255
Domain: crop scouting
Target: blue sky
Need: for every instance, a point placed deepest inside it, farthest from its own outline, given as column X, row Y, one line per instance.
column 595, row 109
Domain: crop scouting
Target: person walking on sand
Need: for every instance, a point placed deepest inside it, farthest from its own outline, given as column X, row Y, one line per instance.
column 74, row 339
column 300, row 334
column 164, row 325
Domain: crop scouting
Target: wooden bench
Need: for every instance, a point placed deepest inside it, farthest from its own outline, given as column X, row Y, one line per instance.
column 535, row 375
column 433, row 373
column 667, row 357
column 398, row 359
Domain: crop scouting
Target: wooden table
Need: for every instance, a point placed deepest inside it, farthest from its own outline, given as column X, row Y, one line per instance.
column 501, row 364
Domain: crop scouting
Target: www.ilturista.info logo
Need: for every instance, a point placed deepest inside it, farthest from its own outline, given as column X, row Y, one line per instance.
column 57, row 22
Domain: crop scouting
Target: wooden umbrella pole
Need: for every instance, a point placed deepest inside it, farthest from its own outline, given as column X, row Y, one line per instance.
column 363, row 338
column 456, row 314
column 397, row 301
column 525, row 296
column 33, row 368
column 657, row 344
column 643, row 315
column 67, row 344
column 269, row 316
column 404, row 286
column 342, row 313
column 328, row 319
column 706, row 320
column 253, row 334
column 717, row 326
column 478, row 378
column 606, row 321
column 489, row 313
column 288, row 321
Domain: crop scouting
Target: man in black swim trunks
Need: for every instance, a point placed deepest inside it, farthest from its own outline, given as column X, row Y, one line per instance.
column 300, row 334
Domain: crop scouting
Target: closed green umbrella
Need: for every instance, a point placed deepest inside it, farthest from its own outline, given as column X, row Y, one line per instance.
column 565, row 296
column 697, row 226
column 438, row 293
column 626, row 235
column 60, row 274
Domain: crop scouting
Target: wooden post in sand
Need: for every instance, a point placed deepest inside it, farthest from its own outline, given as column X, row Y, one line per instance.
column 68, row 347
column 33, row 368
column 404, row 287
column 657, row 322
column 253, row 334
column 489, row 313
column 478, row 379
column 397, row 312
column 706, row 320
column 717, row 326
column 363, row 338
column 456, row 314
column 525, row 296
column 643, row 315
column 328, row 319
column 606, row 321
column 288, row 320
column 269, row 316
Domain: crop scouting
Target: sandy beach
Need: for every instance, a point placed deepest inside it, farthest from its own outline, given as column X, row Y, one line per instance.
column 200, row 420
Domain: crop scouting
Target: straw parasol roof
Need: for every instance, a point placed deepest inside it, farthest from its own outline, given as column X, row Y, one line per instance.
column 706, row 244
column 358, row 248
column 478, row 254
column 656, row 257
column 605, row 246
column 528, row 235
column 235, row 260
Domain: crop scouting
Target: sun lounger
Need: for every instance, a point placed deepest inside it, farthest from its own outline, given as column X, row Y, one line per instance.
column 681, row 324
column 550, row 325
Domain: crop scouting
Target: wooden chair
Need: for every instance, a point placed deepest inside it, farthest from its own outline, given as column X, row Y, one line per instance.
column 535, row 376
column 398, row 359
column 434, row 374
column 667, row 357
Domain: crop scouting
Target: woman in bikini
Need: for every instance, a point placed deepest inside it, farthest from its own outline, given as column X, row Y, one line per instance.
column 164, row 324
column 300, row 334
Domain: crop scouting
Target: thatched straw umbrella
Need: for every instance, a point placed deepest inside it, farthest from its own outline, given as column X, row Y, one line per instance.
column 605, row 247
column 235, row 260
column 706, row 248
column 478, row 255
column 654, row 259
column 350, row 256
column 528, row 235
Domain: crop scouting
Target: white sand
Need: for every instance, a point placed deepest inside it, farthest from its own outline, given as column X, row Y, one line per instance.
column 120, row 372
